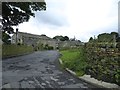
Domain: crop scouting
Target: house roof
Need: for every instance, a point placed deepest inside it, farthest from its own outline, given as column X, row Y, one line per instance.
column 33, row 35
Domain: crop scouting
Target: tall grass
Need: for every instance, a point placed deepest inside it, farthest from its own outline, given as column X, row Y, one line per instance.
column 74, row 59
column 14, row 50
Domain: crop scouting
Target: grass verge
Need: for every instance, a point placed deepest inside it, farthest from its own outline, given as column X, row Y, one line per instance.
column 15, row 50
column 74, row 59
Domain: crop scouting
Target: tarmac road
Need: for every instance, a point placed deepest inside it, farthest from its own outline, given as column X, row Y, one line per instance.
column 38, row 70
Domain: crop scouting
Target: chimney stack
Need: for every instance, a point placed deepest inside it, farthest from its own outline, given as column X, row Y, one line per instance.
column 16, row 34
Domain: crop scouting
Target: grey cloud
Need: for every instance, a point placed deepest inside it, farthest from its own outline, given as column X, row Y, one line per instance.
column 51, row 15
column 51, row 18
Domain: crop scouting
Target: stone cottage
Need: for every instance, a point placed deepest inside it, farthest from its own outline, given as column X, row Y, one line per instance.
column 32, row 39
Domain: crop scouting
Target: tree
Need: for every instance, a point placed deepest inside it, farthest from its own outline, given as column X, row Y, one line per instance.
column 43, row 35
column 5, row 38
column 66, row 38
column 91, row 39
column 61, row 38
column 115, row 33
column 116, row 36
column 105, row 37
column 58, row 38
column 118, row 39
column 14, row 13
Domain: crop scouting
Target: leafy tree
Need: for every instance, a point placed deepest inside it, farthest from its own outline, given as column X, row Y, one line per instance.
column 116, row 36
column 66, row 38
column 106, row 37
column 61, row 38
column 5, row 38
column 14, row 13
column 58, row 37
column 115, row 33
column 91, row 39
column 118, row 39
column 43, row 35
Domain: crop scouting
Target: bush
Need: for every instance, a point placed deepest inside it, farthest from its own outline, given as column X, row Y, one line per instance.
column 117, row 77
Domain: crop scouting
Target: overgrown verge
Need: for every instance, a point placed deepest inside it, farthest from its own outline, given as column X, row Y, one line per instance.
column 15, row 50
column 74, row 59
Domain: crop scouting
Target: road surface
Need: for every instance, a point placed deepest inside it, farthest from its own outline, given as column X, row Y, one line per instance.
column 38, row 70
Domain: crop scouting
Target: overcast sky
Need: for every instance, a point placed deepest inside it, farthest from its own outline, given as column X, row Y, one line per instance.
column 80, row 18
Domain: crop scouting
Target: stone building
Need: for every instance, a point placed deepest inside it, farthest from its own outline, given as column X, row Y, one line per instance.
column 36, row 40
column 32, row 39
column 70, row 44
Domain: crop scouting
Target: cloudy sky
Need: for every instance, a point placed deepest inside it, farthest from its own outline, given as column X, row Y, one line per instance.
column 80, row 18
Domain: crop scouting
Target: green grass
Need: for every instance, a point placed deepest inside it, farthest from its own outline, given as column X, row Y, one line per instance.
column 74, row 59
column 14, row 50
column 69, row 55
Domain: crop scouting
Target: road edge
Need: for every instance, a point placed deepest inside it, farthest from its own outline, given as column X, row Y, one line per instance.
column 93, row 81
column 12, row 56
